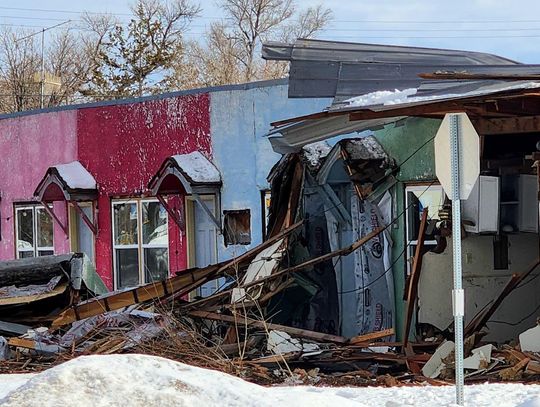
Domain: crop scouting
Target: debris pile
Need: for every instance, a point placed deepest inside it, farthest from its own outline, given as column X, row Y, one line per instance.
column 277, row 318
column 230, row 331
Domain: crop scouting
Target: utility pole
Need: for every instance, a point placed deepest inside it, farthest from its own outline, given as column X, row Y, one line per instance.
column 42, row 70
column 42, row 76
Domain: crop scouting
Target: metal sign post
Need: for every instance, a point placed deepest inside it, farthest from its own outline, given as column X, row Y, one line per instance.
column 458, row 172
column 458, row 297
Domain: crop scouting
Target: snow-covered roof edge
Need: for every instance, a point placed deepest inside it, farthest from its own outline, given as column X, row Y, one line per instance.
column 75, row 175
column 198, row 168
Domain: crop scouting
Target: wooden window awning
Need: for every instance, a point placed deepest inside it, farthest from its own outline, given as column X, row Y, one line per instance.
column 67, row 182
column 191, row 174
column 70, row 182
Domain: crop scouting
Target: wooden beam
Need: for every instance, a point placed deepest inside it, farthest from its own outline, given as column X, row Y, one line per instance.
column 91, row 225
column 412, row 290
column 514, row 125
column 292, row 269
column 186, row 281
column 246, row 321
column 372, row 336
column 22, row 343
column 55, row 218
column 174, row 216
column 340, row 252
column 148, row 292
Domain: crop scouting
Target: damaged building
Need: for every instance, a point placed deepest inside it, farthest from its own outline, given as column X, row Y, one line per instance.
column 349, row 275
column 76, row 179
column 500, row 217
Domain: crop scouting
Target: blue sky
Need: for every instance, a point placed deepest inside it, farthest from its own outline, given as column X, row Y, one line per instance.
column 510, row 29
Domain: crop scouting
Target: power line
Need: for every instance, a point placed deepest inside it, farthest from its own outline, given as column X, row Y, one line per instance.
column 42, row 31
column 34, row 18
column 431, row 29
column 381, row 21
column 64, row 11
column 429, row 37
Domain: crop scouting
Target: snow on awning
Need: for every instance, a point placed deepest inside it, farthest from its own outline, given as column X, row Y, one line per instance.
column 70, row 182
column 191, row 173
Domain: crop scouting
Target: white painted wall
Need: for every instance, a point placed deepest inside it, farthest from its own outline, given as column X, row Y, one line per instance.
column 482, row 284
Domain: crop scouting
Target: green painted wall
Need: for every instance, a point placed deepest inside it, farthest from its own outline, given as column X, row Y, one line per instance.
column 403, row 142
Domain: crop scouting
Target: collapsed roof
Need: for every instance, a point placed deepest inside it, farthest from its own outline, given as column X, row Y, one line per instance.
column 342, row 70
column 374, row 85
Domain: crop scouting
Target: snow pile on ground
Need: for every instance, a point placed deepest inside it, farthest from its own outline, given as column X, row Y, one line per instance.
column 148, row 381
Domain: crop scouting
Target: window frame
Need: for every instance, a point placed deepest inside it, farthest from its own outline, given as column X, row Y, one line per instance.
column 74, row 220
column 411, row 244
column 228, row 241
column 36, row 248
column 140, row 245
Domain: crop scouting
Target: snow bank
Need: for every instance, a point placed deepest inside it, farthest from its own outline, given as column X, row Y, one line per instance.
column 198, row 167
column 148, row 381
column 76, row 176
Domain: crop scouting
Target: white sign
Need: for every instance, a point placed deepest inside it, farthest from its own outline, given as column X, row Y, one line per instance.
column 469, row 155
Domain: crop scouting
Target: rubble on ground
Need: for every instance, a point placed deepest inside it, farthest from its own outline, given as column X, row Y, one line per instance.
column 234, row 335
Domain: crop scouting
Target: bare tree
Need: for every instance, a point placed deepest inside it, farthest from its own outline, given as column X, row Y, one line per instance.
column 229, row 53
column 19, row 63
column 133, row 60
column 69, row 58
column 253, row 20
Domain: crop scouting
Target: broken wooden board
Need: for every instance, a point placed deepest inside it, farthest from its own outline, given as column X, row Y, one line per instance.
column 137, row 295
column 242, row 320
column 513, row 373
column 370, row 337
column 412, row 290
column 179, row 285
column 22, row 343
column 26, row 299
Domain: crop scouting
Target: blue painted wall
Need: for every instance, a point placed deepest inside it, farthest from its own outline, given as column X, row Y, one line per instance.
column 239, row 122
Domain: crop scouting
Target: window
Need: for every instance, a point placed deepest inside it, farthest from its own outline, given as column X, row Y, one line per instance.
column 140, row 242
column 418, row 197
column 237, row 227
column 266, row 197
column 80, row 235
column 34, row 231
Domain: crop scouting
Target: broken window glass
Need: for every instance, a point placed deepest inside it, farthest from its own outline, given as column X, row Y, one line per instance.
column 237, row 227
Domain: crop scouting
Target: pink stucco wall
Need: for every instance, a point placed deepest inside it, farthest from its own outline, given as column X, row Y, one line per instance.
column 28, row 146
column 123, row 146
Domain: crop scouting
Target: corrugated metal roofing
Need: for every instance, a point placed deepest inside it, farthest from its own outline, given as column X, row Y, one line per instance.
column 320, row 50
column 323, row 125
column 343, row 70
